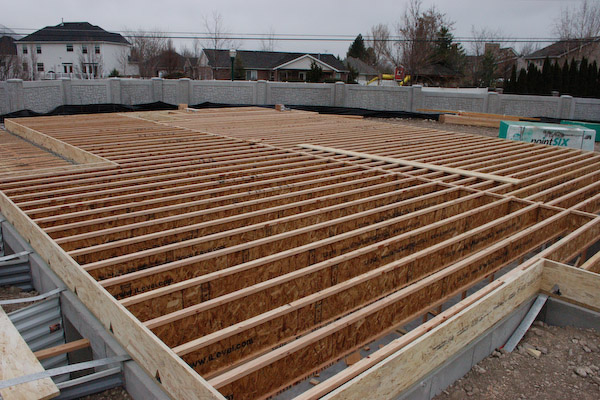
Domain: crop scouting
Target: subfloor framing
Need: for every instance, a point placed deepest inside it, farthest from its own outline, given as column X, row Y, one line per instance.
column 235, row 252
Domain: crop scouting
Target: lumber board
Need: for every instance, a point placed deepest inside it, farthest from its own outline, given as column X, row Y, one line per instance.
column 299, row 214
column 155, row 357
column 415, row 359
column 260, row 240
column 267, row 373
column 62, row 349
column 66, row 150
column 330, row 271
column 503, row 179
column 592, row 264
column 468, row 120
column 299, row 319
column 180, row 295
column 18, row 360
column 575, row 284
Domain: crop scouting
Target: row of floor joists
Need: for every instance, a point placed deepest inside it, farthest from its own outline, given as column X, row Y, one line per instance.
column 259, row 262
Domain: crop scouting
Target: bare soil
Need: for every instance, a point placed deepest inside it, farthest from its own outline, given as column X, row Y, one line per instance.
column 13, row 292
column 567, row 368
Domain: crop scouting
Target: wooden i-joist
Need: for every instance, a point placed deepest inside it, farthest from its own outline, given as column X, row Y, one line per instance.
column 235, row 252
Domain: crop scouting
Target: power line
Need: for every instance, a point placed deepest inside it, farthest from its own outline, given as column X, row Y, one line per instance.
column 301, row 36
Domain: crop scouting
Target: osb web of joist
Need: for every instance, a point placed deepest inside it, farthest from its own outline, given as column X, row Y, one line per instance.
column 259, row 262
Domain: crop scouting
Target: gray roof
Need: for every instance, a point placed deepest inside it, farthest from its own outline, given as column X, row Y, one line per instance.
column 361, row 66
column 74, row 32
column 562, row 47
column 266, row 59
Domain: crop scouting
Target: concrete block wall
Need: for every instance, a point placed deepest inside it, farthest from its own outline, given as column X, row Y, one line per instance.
column 43, row 96
column 586, row 109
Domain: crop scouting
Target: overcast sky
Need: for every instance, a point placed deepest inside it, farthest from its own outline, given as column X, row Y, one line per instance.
column 515, row 18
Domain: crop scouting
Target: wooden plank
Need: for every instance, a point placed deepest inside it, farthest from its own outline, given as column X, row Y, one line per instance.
column 177, row 378
column 592, row 264
column 575, row 284
column 471, row 121
column 406, row 360
column 433, row 167
column 66, row 150
column 17, row 360
column 258, row 377
column 62, row 349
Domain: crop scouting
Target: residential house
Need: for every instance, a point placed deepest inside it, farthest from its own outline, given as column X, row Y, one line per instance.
column 365, row 71
column 74, row 49
column 270, row 65
column 170, row 64
column 567, row 50
column 503, row 60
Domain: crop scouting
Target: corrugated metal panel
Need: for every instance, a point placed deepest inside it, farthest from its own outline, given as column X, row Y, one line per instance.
column 16, row 273
column 41, row 326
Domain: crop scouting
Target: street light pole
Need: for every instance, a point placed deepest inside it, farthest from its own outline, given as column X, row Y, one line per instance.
column 232, row 57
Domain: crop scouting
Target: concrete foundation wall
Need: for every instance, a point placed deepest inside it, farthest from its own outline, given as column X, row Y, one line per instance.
column 43, row 96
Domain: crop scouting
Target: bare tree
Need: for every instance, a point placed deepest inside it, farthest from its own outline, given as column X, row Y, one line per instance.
column 267, row 43
column 579, row 22
column 146, row 49
column 379, row 41
column 218, row 35
column 485, row 51
column 10, row 67
column 417, row 31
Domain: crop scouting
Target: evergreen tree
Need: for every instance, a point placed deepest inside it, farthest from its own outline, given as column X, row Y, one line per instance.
column 488, row 69
column 511, row 84
column 546, row 78
column 446, row 52
column 315, row 74
column 533, row 80
column 573, row 77
column 594, row 80
column 521, row 86
column 565, row 81
column 358, row 50
column 556, row 77
column 582, row 76
column 239, row 73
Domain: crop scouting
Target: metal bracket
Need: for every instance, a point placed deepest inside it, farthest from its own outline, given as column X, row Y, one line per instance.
column 13, row 256
column 518, row 334
column 32, row 299
column 63, row 370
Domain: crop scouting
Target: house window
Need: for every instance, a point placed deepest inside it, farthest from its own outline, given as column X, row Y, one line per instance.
column 24, row 49
column 91, row 69
column 251, row 75
column 40, row 67
column 68, row 68
column 25, row 67
column 97, row 49
column 38, row 49
column 69, row 48
column 302, row 75
column 338, row 76
column 84, row 49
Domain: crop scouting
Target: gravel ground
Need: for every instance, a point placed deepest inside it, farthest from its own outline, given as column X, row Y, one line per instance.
column 13, row 292
column 433, row 124
column 566, row 367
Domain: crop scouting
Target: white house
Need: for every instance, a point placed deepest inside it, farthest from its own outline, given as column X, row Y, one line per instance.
column 74, row 49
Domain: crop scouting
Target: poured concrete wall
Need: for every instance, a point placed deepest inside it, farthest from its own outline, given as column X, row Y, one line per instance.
column 43, row 96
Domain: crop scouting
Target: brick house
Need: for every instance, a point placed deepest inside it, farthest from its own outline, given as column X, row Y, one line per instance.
column 270, row 65
column 567, row 50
